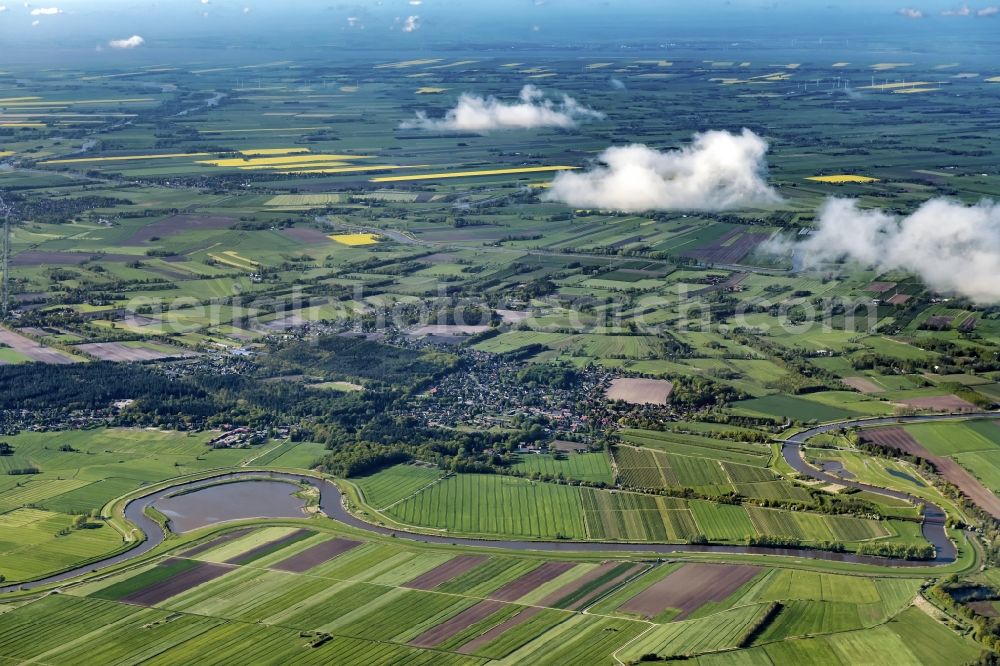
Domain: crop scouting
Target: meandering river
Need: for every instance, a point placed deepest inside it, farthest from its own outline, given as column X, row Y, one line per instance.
column 269, row 496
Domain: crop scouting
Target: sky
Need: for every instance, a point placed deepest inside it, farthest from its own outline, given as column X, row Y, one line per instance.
column 296, row 24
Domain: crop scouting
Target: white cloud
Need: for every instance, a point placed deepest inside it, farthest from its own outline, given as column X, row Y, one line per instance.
column 988, row 11
column 961, row 10
column 484, row 114
column 717, row 171
column 411, row 24
column 35, row 23
column 617, row 84
column 3, row 8
column 910, row 12
column 46, row 11
column 129, row 43
column 954, row 248
column 416, row 3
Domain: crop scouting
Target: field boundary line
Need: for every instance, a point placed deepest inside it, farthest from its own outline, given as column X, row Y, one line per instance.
column 614, row 655
column 261, row 454
column 647, row 567
column 415, row 492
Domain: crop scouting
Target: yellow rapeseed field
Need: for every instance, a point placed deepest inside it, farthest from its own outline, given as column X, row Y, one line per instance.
column 470, row 174
column 6, row 153
column 274, row 151
column 354, row 240
column 296, row 165
column 843, row 178
column 284, row 162
column 431, row 90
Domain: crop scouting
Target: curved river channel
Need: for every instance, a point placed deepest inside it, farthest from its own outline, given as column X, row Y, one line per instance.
column 331, row 503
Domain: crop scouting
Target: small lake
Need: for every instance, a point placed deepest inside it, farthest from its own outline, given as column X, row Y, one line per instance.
column 231, row 501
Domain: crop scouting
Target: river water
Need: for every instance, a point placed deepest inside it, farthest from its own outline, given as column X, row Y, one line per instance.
column 231, row 501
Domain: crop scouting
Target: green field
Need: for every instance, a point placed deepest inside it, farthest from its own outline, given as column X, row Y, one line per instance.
column 356, row 608
column 79, row 472
column 592, row 467
column 352, row 277
column 467, row 504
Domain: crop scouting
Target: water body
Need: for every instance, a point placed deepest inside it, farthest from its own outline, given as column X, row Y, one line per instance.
column 226, row 502
column 906, row 477
column 331, row 503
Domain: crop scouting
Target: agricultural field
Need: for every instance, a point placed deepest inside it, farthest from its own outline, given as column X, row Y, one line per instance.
column 500, row 276
column 381, row 601
column 466, row 504
column 52, row 477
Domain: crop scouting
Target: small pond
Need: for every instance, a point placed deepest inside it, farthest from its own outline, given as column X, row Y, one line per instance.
column 231, row 501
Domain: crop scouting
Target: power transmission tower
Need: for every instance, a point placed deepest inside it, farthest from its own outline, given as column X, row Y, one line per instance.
column 5, row 210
